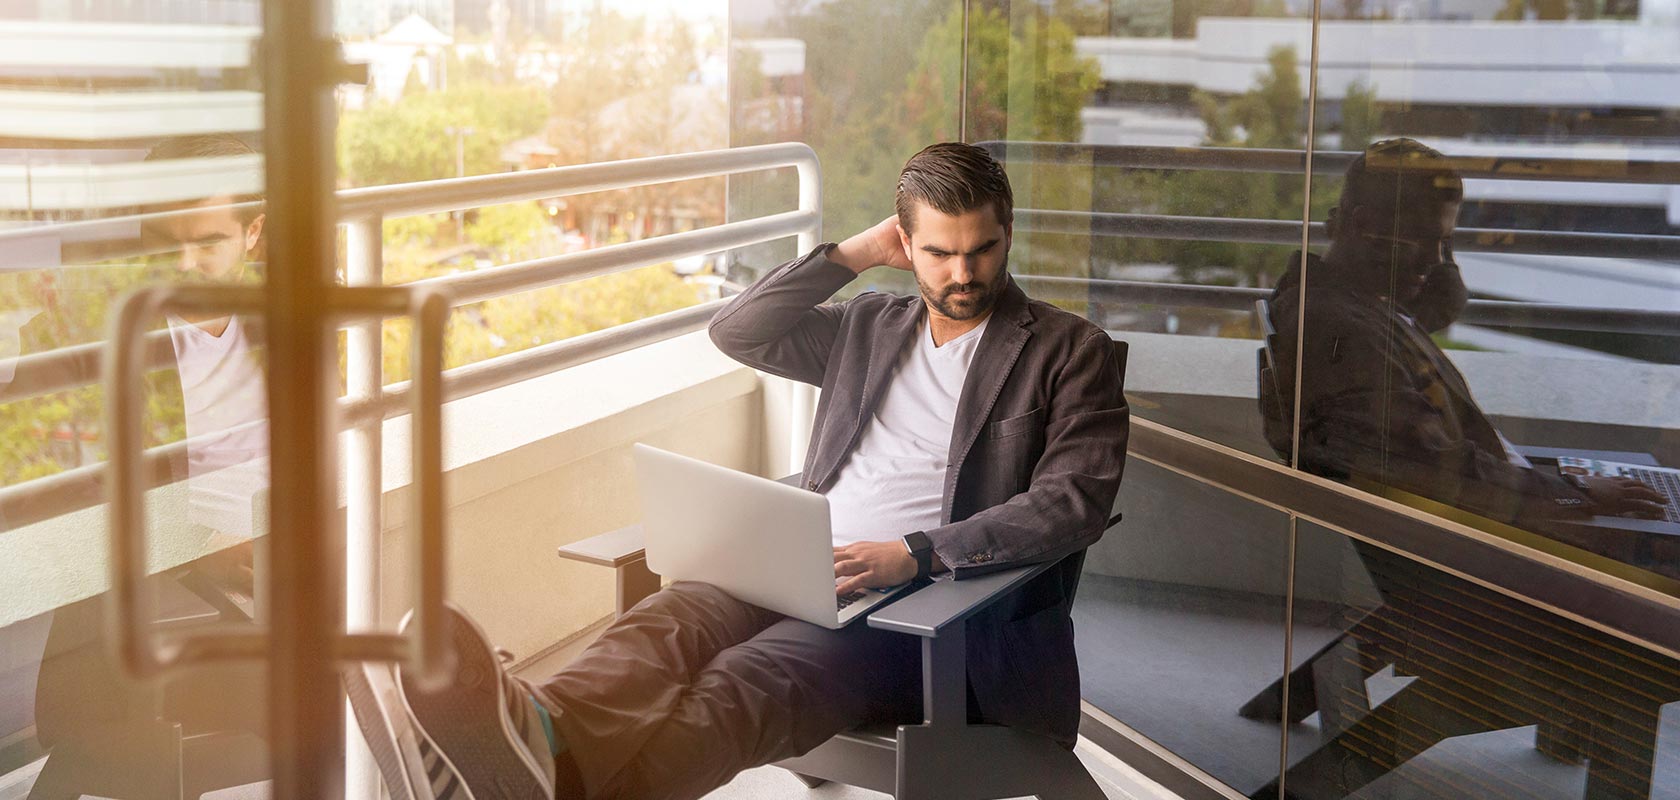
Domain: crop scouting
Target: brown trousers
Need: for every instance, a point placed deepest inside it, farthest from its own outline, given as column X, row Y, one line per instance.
column 692, row 686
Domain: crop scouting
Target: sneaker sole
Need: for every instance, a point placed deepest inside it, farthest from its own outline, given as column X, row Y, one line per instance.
column 467, row 720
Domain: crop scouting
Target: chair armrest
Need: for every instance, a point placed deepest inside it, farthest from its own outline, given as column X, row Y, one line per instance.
column 611, row 549
column 943, row 603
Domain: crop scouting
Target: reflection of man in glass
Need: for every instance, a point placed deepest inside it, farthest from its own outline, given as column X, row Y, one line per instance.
column 1380, row 401
column 222, row 386
column 100, row 727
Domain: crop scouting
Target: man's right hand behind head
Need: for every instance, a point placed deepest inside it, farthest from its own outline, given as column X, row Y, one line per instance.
column 879, row 246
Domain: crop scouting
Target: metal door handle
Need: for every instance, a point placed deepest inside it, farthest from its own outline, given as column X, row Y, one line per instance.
column 129, row 612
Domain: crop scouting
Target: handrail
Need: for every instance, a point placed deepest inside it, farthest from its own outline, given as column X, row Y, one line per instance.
column 1288, row 232
column 1543, row 316
column 364, row 210
column 456, row 193
column 77, row 365
column 453, row 194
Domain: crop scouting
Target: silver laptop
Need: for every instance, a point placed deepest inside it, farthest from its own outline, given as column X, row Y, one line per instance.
column 763, row 542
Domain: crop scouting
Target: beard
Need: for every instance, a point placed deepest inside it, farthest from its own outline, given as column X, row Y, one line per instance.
column 965, row 301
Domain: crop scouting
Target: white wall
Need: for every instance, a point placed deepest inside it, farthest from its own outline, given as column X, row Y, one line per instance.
column 83, row 48
column 102, row 116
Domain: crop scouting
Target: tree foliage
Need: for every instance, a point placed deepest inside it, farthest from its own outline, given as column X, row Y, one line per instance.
column 415, row 137
column 1361, row 117
column 59, row 308
column 1270, row 115
column 866, row 116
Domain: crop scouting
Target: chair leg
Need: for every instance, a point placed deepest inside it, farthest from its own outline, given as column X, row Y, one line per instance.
column 810, row 782
column 962, row 763
column 1069, row 780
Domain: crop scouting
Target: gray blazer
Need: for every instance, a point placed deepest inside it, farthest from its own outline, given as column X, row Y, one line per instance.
column 1036, row 454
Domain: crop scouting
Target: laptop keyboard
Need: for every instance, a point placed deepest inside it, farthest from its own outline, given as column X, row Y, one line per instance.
column 1666, row 483
column 848, row 600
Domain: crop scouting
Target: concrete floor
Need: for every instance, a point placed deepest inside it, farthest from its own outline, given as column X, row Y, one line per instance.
column 1175, row 663
column 1118, row 781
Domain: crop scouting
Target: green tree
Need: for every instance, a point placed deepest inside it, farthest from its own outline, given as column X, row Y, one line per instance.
column 1008, row 60
column 410, row 139
column 45, row 435
column 1361, row 117
column 511, row 231
column 1268, row 115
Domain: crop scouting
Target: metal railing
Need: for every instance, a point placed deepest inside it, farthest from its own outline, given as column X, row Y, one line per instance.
column 1537, row 316
column 362, row 212
column 1331, row 164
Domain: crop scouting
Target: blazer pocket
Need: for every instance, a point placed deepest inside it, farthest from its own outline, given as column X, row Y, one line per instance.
column 1031, row 420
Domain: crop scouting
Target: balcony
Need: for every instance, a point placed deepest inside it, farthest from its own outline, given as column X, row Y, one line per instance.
column 1182, row 615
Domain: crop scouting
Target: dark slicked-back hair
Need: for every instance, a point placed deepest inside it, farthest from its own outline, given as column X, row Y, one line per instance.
column 210, row 145
column 954, row 178
column 1395, row 173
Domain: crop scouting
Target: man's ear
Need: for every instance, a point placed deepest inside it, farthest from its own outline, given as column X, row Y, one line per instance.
column 253, row 233
column 904, row 241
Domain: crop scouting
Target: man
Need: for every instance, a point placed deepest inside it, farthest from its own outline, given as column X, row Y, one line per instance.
column 92, row 717
column 967, row 429
column 1379, row 399
column 223, row 388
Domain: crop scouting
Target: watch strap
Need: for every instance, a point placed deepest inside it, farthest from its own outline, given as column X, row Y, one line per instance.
column 921, row 549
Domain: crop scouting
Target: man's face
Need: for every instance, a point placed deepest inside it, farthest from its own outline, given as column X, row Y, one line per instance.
column 959, row 261
column 213, row 241
column 1407, row 247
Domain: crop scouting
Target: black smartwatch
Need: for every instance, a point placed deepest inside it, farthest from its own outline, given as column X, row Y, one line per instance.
column 921, row 549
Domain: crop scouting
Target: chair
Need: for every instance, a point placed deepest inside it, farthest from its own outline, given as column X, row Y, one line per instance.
column 946, row 756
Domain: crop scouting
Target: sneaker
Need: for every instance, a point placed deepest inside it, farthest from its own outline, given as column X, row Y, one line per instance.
column 483, row 723
column 411, row 768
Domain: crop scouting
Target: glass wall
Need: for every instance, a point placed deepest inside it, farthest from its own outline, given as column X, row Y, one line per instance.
column 1462, row 307
column 129, row 160
column 796, row 76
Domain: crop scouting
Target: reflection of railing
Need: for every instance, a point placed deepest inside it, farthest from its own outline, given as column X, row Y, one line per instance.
column 1326, row 163
column 1330, row 165
column 1288, row 232
column 1546, row 316
column 363, row 212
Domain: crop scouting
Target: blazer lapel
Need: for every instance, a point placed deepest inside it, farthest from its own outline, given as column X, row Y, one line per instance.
column 1000, row 347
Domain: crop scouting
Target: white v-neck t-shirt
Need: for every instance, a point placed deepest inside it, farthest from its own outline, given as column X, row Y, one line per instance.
column 224, row 392
column 894, row 481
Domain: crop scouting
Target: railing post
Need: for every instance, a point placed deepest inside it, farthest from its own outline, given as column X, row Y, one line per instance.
column 363, row 450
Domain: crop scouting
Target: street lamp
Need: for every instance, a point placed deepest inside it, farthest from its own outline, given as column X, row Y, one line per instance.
column 460, row 134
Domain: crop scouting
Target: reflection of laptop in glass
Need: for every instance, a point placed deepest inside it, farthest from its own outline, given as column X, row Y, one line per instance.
column 1664, row 480
column 763, row 542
